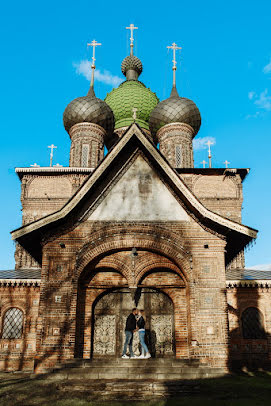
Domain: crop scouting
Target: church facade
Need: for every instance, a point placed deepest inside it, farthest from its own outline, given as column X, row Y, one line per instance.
column 139, row 226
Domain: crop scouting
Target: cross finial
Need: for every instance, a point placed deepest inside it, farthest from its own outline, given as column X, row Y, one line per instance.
column 226, row 163
column 93, row 44
column 134, row 110
column 52, row 147
column 209, row 143
column 132, row 28
column 203, row 163
column 174, row 48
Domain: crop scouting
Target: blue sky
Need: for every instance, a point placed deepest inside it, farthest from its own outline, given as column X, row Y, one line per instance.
column 224, row 66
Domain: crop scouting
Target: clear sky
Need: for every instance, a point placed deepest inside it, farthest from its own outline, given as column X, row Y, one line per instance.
column 224, row 66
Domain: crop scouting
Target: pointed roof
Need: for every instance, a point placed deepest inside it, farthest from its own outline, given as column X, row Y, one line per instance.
column 30, row 236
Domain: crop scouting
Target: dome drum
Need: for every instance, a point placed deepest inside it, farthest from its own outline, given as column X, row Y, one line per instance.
column 87, row 148
column 175, row 141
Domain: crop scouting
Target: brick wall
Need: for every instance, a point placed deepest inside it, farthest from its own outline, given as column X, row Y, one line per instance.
column 19, row 353
column 246, row 352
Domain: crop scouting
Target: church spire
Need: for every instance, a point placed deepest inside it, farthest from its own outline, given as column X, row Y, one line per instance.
column 174, row 48
column 92, row 44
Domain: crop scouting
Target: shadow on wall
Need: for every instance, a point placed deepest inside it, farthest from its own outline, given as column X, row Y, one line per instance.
column 248, row 338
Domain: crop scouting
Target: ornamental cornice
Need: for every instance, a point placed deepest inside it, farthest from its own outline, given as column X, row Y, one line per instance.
column 20, row 282
column 184, row 128
column 248, row 283
column 52, row 169
column 89, row 127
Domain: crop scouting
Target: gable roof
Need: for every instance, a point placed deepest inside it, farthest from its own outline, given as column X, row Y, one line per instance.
column 30, row 235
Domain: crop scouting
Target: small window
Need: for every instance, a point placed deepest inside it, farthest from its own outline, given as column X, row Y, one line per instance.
column 13, row 323
column 252, row 323
column 178, row 153
column 85, row 154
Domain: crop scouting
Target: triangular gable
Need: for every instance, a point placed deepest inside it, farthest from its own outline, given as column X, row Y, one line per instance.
column 139, row 195
column 135, row 137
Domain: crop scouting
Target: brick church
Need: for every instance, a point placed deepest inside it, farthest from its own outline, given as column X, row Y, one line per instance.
column 137, row 226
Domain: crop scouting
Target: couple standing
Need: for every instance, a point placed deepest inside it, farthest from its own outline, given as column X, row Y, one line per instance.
column 135, row 322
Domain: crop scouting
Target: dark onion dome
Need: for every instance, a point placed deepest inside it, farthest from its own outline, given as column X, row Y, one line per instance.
column 131, row 62
column 175, row 109
column 89, row 109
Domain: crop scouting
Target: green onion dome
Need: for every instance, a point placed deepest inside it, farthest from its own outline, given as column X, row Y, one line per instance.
column 89, row 109
column 131, row 94
column 175, row 109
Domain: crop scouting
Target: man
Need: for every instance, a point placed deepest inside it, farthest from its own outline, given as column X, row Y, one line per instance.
column 129, row 332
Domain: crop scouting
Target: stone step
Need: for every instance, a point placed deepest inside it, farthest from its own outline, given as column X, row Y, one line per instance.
column 130, row 389
column 88, row 374
column 159, row 362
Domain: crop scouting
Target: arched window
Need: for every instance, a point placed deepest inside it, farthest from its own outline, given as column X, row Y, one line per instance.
column 252, row 323
column 13, row 323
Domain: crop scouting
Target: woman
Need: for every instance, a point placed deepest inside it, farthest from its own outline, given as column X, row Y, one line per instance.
column 141, row 332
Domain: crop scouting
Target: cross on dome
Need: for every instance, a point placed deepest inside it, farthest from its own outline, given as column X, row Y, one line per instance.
column 174, row 48
column 132, row 28
column 134, row 110
column 93, row 44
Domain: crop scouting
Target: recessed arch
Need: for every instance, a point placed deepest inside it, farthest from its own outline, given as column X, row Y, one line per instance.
column 110, row 241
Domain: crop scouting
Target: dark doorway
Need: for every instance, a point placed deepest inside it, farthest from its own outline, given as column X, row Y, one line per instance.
column 110, row 313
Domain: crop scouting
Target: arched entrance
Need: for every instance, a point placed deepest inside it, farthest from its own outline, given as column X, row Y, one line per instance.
column 110, row 311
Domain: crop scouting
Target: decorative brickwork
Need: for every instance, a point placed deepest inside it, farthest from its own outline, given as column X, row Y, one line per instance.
column 87, row 148
column 175, row 142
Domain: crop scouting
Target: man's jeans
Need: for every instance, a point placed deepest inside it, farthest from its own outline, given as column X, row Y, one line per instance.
column 128, row 341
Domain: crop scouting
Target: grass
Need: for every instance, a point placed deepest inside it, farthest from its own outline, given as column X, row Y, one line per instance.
column 239, row 390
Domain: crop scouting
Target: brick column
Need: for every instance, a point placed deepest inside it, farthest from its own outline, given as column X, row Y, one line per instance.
column 176, row 144
column 87, row 148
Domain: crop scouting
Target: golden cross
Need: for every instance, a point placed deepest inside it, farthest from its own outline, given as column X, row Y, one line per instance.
column 132, row 28
column 93, row 44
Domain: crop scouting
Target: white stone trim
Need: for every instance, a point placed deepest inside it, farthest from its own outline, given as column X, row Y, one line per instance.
column 54, row 169
column 204, row 212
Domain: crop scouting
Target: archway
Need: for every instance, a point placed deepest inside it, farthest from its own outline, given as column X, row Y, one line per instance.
column 110, row 311
column 105, row 297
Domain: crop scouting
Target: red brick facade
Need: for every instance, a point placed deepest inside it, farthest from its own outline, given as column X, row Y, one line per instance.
column 180, row 263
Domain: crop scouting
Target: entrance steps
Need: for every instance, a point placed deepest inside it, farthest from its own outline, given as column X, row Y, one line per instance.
column 158, row 369
column 130, row 379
